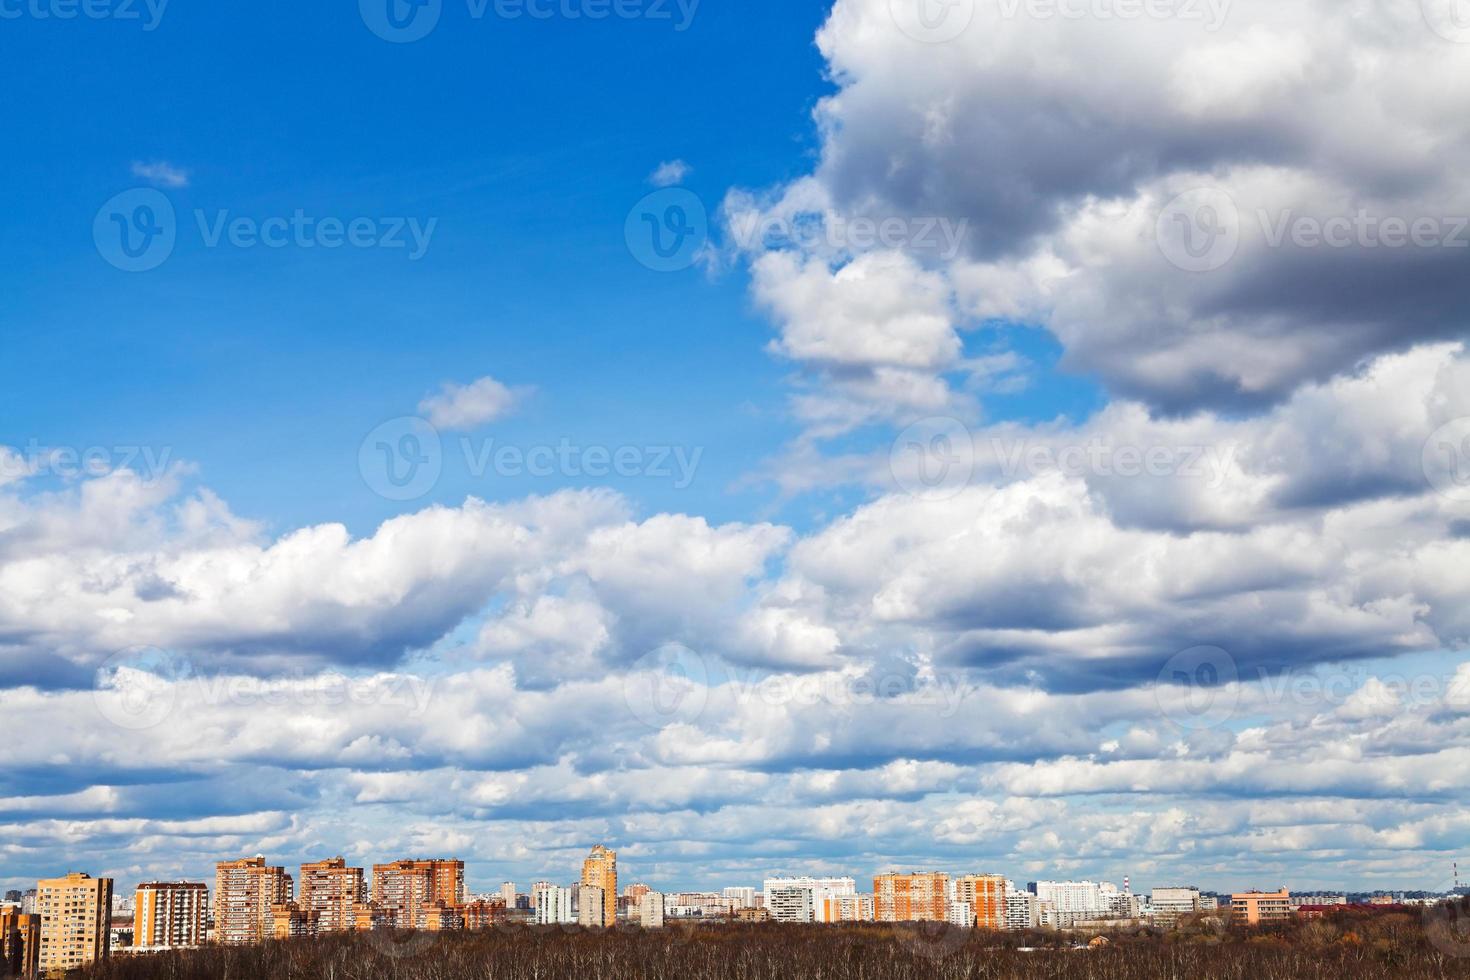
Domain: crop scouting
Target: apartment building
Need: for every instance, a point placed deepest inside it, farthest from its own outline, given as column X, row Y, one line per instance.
column 911, row 897
column 76, row 913
column 554, row 906
column 592, row 908
column 1172, row 904
column 785, row 905
column 846, row 908
column 403, row 889
column 20, row 941
column 290, row 921
column 331, row 892
column 245, row 892
column 1261, row 908
column 600, row 871
column 170, row 915
column 651, row 910
column 1023, row 910
column 986, row 897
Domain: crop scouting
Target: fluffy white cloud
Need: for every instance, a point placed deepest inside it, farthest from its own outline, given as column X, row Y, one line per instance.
column 1060, row 142
column 463, row 408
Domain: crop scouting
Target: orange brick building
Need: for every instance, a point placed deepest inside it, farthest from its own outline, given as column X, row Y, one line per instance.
column 911, row 897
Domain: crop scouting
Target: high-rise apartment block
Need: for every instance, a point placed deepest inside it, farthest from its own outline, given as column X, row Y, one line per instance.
column 986, row 897
column 1023, row 909
column 1261, row 908
column 803, row 899
column 554, row 906
column 405, row 889
column 20, row 942
column 592, row 907
column 331, row 892
column 245, row 892
column 651, row 910
column 600, row 870
column 76, row 914
column 170, row 915
column 911, row 897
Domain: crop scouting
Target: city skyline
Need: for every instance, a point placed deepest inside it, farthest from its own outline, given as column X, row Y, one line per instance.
column 822, row 437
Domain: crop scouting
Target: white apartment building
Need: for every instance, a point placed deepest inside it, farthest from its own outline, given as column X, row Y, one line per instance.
column 960, row 914
column 740, row 898
column 1066, row 902
column 1171, row 904
column 1023, row 911
column 792, row 904
column 794, row 908
column 554, row 907
column 651, row 910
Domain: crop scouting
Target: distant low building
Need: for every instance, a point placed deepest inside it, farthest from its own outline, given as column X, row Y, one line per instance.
column 1261, row 908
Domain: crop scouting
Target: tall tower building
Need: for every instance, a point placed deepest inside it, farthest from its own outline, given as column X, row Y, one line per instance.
column 76, row 914
column 911, row 897
column 170, row 915
column 332, row 892
column 244, row 893
column 986, row 896
column 600, row 870
column 403, row 888
column 20, row 942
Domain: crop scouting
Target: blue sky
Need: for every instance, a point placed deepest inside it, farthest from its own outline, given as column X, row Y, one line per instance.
column 979, row 539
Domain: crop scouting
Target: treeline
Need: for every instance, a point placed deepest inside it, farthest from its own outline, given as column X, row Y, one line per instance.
column 1394, row 947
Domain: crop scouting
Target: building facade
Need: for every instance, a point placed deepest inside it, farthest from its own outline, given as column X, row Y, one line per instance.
column 331, row 892
column 592, row 908
column 554, row 906
column 911, row 897
column 76, row 913
column 786, row 906
column 846, row 908
column 600, row 871
column 651, row 910
column 1169, row 905
column 402, row 889
column 20, row 942
column 245, row 892
column 1261, row 908
column 170, row 915
column 986, row 896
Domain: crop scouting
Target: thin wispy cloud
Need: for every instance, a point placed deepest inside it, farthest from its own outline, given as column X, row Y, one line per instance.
column 160, row 173
column 669, row 173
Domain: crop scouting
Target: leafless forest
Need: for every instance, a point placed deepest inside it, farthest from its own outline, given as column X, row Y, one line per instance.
column 1394, row 947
